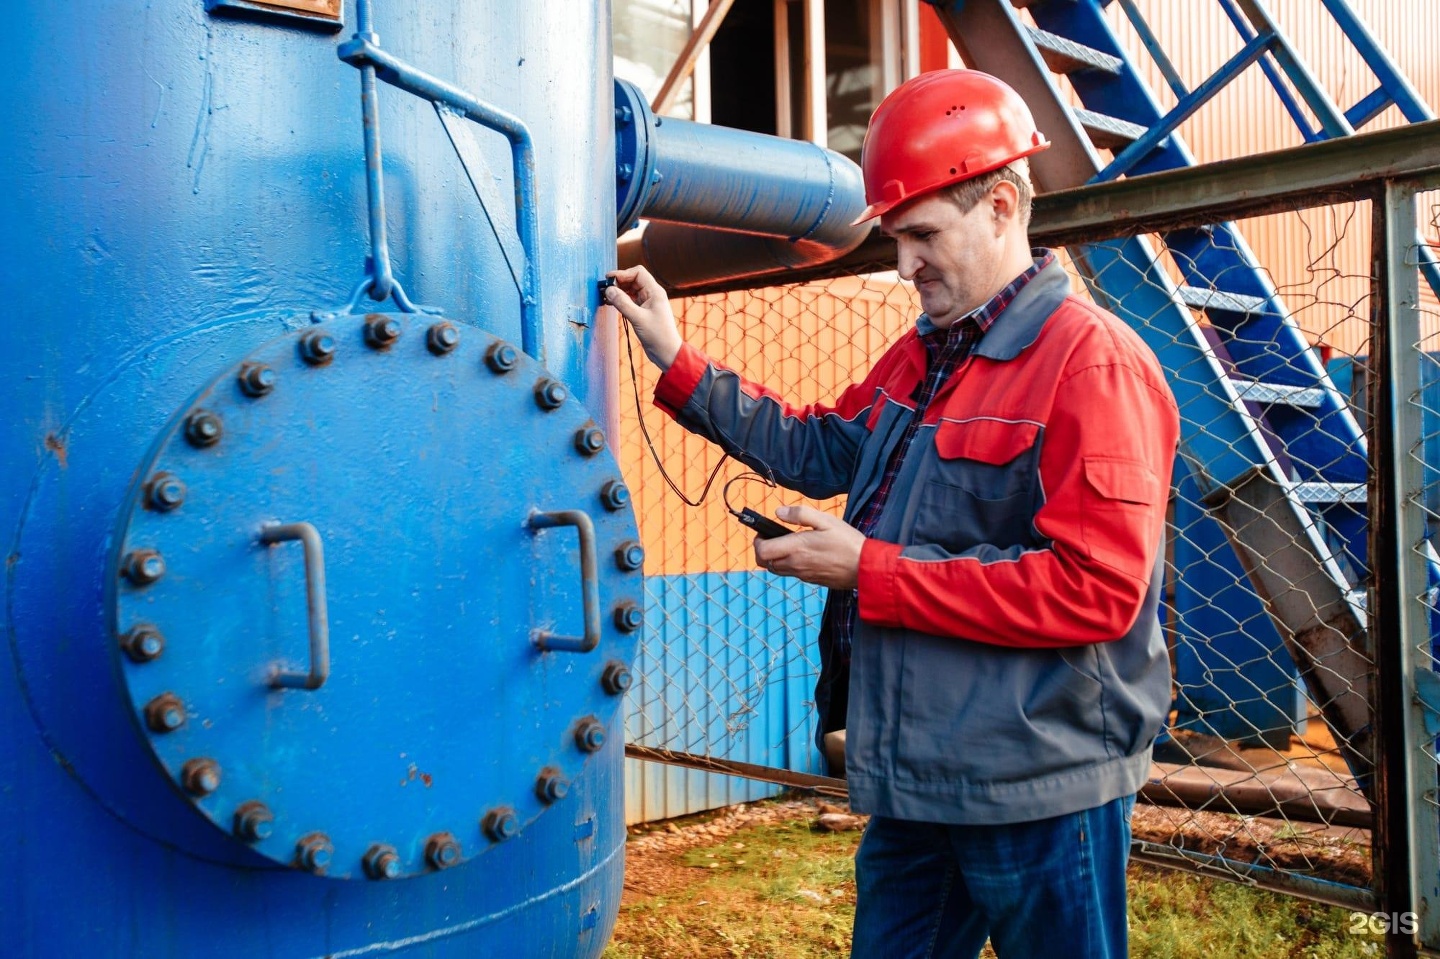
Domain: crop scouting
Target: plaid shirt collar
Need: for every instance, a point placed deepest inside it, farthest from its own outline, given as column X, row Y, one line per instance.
column 974, row 324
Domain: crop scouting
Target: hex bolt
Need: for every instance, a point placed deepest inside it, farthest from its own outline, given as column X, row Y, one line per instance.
column 500, row 824
column 550, row 394
column 143, row 643
column 164, row 492
column 381, row 331
column 442, row 851
column 253, row 821
column 382, row 862
column 590, row 734
column 589, row 440
column 551, row 786
column 614, row 495
column 200, row 777
column 623, row 114
column 501, row 357
column 313, row 852
column 256, row 379
column 203, row 428
column 165, row 713
column 442, row 338
column 624, row 172
column 630, row 556
column 317, row 348
column 629, row 617
column 143, row 566
column 616, row 678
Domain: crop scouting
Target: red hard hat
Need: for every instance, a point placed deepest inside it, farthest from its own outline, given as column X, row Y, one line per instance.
column 940, row 128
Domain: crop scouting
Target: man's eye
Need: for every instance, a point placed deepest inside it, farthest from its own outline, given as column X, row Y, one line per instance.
column 924, row 234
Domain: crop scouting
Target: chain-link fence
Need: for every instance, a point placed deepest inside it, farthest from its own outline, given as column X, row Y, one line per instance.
column 1262, row 774
column 1267, row 768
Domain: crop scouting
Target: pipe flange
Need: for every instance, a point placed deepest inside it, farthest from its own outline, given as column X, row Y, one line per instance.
column 634, row 158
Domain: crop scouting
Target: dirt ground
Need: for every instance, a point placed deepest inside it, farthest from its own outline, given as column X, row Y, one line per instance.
column 770, row 879
column 653, row 865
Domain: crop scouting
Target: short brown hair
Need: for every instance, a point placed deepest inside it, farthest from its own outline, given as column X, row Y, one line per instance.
column 967, row 193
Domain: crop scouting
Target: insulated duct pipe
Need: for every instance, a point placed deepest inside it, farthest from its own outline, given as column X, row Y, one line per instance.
column 726, row 204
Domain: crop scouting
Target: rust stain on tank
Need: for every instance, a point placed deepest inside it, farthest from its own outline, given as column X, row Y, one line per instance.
column 56, row 445
column 412, row 773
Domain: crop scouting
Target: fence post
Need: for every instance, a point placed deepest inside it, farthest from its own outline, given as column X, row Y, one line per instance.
column 1407, row 838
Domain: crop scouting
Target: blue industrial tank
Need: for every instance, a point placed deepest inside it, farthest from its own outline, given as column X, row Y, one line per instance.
column 321, row 582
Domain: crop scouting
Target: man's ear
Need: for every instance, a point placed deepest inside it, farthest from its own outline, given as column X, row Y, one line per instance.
column 1004, row 202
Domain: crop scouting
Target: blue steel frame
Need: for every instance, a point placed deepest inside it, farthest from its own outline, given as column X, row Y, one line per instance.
column 1332, row 122
column 1187, row 106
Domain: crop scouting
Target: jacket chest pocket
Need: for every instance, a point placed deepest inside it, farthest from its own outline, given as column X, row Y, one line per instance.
column 983, row 488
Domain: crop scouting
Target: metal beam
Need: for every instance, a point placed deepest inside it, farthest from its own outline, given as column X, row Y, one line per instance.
column 1300, row 177
column 690, row 54
column 1316, row 174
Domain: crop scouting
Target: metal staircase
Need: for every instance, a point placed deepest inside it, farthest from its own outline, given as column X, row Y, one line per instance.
column 1277, row 465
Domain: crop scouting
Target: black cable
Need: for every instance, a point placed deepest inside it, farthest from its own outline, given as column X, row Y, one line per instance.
column 747, row 476
column 640, row 415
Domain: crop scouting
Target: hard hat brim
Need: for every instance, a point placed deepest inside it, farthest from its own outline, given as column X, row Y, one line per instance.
column 881, row 207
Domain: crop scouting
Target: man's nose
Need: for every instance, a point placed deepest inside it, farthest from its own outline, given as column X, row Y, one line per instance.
column 907, row 262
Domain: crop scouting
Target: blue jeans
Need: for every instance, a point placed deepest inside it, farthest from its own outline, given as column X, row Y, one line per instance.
column 1054, row 887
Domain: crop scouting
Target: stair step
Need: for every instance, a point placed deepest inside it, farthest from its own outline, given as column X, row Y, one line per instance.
column 1321, row 493
column 1252, row 391
column 1064, row 55
column 1205, row 299
column 1107, row 132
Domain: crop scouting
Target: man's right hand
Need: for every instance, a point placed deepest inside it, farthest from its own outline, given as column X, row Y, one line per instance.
column 643, row 302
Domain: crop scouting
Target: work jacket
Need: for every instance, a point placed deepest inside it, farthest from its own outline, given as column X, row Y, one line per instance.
column 1008, row 663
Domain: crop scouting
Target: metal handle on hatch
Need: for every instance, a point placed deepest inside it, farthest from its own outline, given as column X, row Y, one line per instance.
column 589, row 581
column 309, row 538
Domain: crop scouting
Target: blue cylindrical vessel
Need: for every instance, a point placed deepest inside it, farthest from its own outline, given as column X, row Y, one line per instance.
column 185, row 200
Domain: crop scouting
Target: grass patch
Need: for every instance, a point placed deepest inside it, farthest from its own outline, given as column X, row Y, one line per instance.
column 780, row 891
column 783, row 891
column 1178, row 916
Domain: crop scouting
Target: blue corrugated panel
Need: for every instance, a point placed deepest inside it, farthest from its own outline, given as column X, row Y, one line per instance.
column 726, row 669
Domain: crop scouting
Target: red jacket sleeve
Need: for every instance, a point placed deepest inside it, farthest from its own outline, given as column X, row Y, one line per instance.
column 1105, row 465
column 812, row 449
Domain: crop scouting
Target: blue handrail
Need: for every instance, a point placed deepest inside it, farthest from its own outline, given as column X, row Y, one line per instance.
column 363, row 51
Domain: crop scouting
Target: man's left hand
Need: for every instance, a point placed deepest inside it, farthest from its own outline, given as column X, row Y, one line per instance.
column 826, row 554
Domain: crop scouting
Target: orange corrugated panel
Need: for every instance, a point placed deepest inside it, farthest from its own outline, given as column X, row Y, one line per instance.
column 806, row 342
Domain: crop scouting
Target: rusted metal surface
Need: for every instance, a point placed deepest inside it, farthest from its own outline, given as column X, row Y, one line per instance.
column 822, row 785
column 1298, row 793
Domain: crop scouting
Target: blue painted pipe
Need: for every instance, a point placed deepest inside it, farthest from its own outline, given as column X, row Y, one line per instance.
column 728, row 204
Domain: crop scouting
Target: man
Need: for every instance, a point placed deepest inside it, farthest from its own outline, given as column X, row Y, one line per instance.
column 990, row 641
